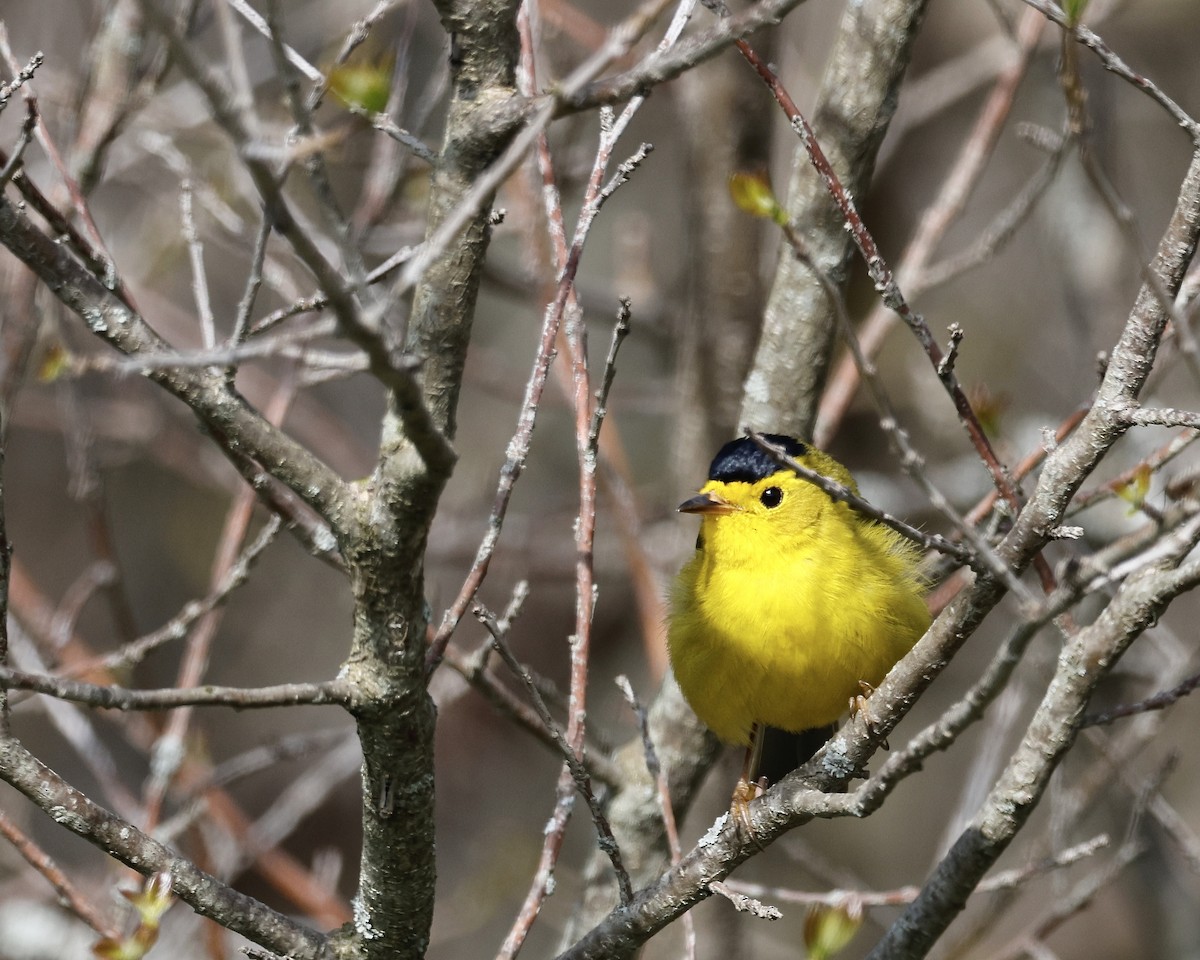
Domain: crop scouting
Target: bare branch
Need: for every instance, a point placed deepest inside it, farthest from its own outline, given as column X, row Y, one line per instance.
column 1116, row 65
column 227, row 415
column 206, row 895
column 956, row 188
column 568, row 751
column 1159, row 701
column 121, row 698
column 68, row 893
column 841, row 493
column 1084, row 661
column 1004, row 880
column 23, row 76
column 881, row 274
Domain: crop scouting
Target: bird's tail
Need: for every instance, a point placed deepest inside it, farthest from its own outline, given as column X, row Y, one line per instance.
column 783, row 752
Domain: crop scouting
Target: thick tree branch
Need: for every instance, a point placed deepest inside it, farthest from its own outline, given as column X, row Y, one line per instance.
column 395, row 715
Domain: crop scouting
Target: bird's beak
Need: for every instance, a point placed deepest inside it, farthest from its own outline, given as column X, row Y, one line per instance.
column 709, row 504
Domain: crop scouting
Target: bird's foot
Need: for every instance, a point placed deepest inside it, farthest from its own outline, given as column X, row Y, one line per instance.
column 859, row 704
column 739, row 805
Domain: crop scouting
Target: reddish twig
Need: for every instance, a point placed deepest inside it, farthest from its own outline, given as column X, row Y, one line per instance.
column 889, row 291
column 881, row 273
column 960, row 181
column 575, row 775
column 470, row 668
column 1027, row 465
column 68, row 893
column 565, row 304
column 79, row 202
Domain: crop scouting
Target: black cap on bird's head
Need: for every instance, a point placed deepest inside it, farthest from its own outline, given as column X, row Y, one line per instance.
column 744, row 460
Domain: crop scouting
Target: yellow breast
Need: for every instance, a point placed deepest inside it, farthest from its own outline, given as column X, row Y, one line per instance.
column 778, row 617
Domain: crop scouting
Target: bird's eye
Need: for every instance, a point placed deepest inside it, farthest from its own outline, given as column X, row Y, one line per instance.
column 771, row 497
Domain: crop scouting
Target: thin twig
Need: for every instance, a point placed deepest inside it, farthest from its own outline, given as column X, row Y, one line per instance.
column 70, row 185
column 385, row 124
column 1003, row 880
column 1159, row 701
column 955, row 190
column 22, row 77
column 992, row 238
column 68, row 893
column 254, row 278
column 319, row 301
column 840, row 492
column 600, row 768
column 884, row 279
column 169, row 749
column 126, row 842
column 567, row 265
column 1065, row 906
column 134, row 652
column 290, row 746
column 665, row 807
column 619, row 41
column 208, row 329
column 1147, row 466
column 577, row 770
column 357, row 35
column 565, row 309
column 24, row 138
column 743, row 902
column 336, row 224
column 1118, row 66
column 292, row 344
column 173, row 698
column 256, row 20
column 364, row 331
column 982, row 557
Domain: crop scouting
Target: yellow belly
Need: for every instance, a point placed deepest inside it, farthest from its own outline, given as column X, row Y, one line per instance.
column 789, row 652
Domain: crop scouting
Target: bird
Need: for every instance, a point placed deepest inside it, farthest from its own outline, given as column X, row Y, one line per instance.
column 792, row 604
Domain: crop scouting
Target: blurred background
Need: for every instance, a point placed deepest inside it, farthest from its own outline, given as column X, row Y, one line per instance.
column 102, row 469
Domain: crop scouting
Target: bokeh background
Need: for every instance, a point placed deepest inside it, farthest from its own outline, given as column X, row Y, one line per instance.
column 1035, row 317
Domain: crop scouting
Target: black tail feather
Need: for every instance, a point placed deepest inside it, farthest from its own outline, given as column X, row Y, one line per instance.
column 783, row 752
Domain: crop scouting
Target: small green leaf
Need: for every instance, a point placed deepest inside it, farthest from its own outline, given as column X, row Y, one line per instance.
column 989, row 408
column 827, row 930
column 54, row 364
column 752, row 193
column 1135, row 490
column 366, row 86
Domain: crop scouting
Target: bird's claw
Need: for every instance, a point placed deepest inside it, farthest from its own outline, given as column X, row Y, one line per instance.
column 859, row 704
column 739, row 805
